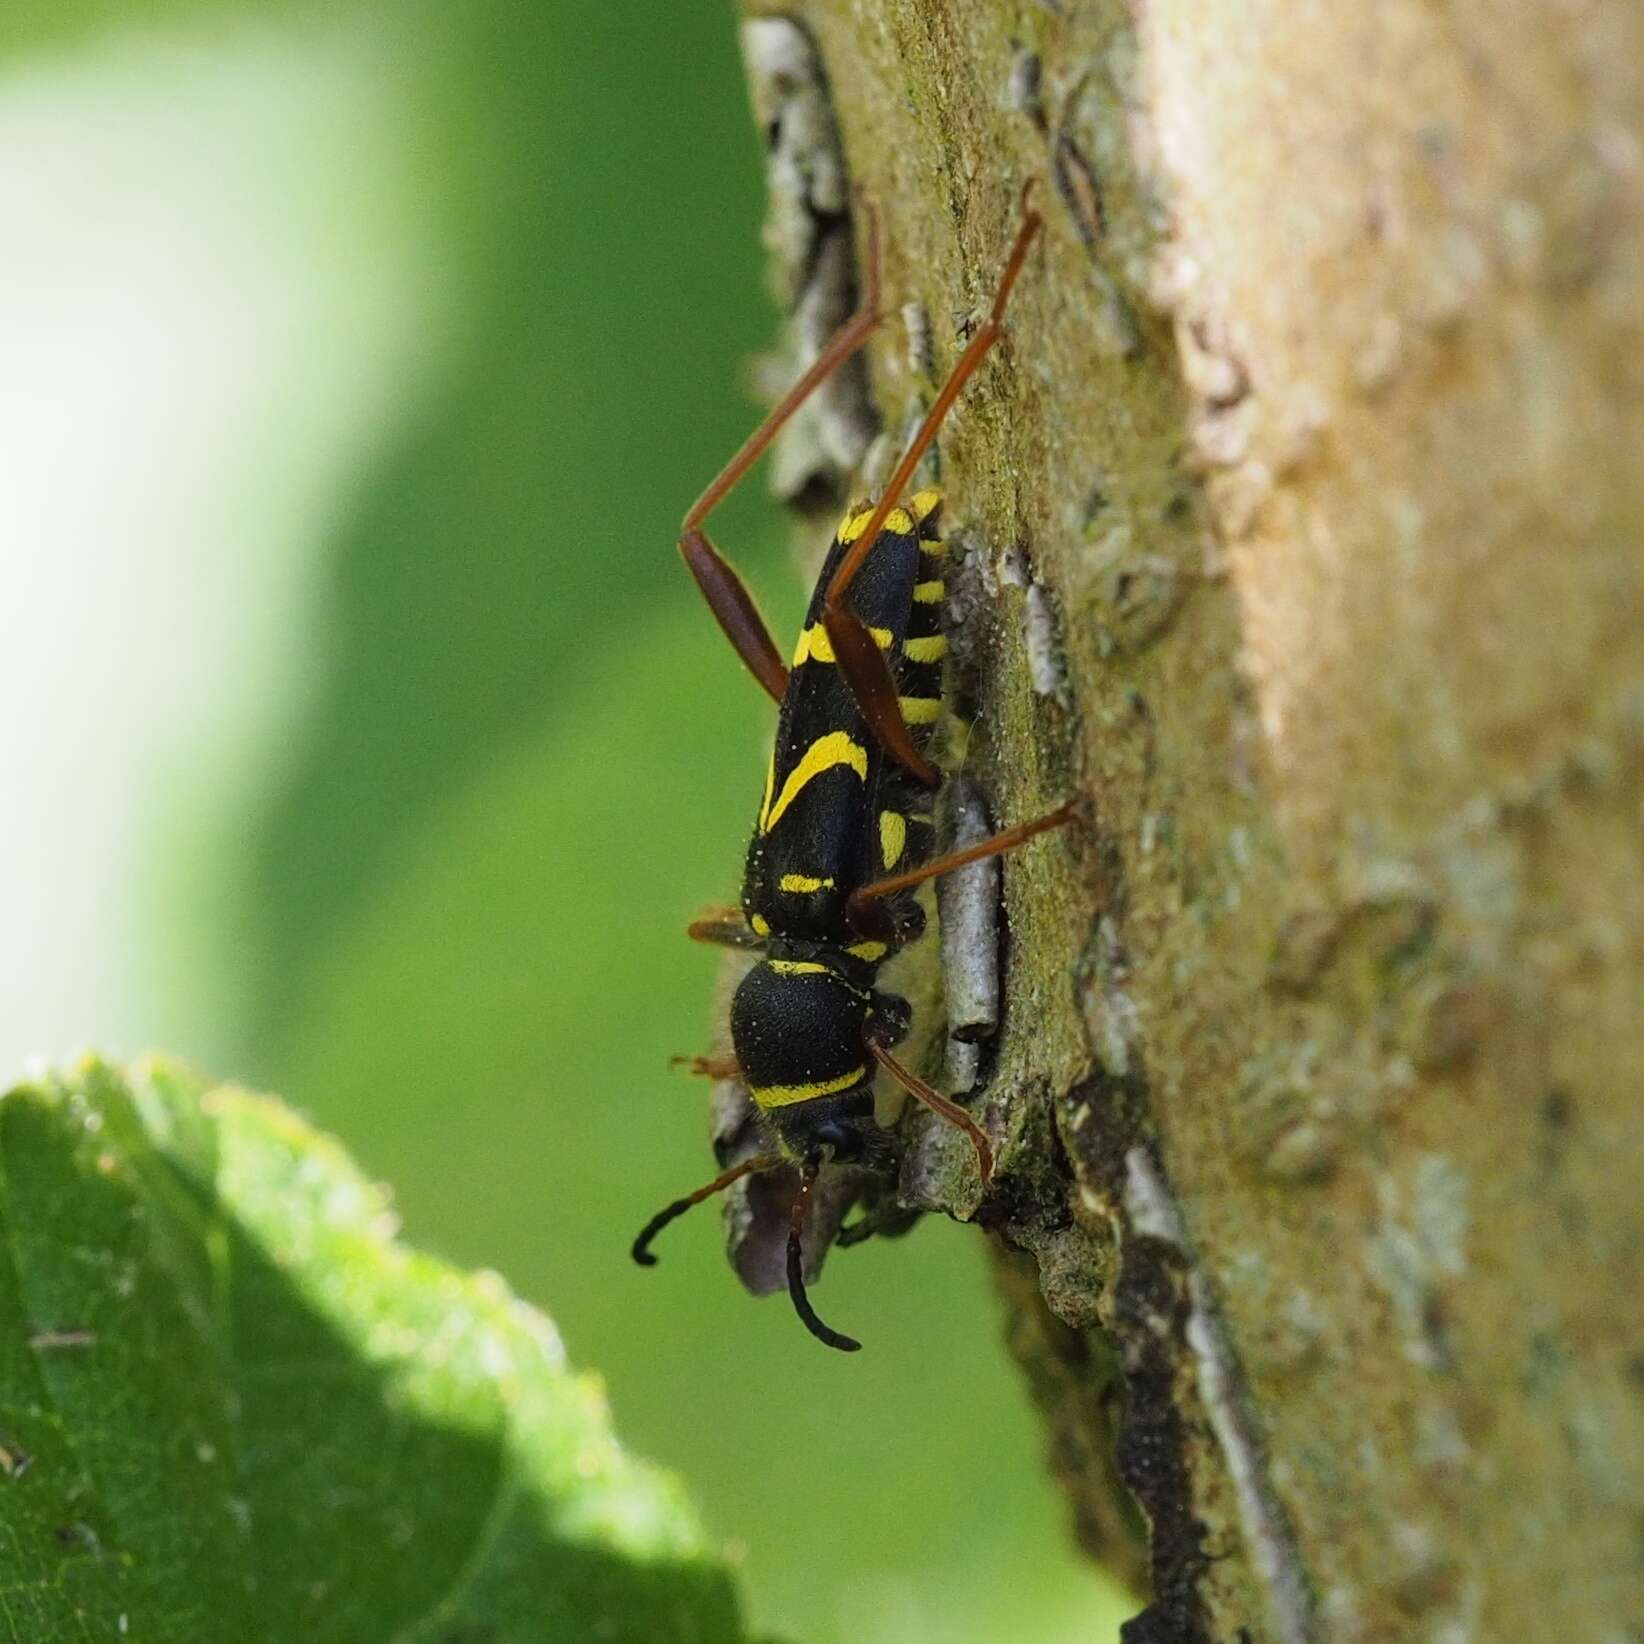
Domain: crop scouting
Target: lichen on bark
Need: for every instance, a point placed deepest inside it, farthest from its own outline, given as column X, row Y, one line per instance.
column 1305, row 518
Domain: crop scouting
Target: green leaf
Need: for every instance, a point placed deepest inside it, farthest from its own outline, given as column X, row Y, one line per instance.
column 232, row 1407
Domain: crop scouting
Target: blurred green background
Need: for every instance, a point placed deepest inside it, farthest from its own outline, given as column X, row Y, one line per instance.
column 367, row 741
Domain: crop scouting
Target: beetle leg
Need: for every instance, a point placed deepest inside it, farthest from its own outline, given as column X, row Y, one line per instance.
column 727, row 595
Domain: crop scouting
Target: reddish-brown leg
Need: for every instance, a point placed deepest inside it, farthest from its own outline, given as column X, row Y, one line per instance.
column 868, row 674
column 735, row 612
column 724, row 927
column 727, row 595
column 707, row 1067
column 859, row 907
column 940, row 1105
column 860, row 660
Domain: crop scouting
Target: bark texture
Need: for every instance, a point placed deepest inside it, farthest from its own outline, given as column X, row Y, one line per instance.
column 1303, row 510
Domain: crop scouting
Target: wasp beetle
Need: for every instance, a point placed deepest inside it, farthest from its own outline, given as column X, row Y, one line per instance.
column 844, row 834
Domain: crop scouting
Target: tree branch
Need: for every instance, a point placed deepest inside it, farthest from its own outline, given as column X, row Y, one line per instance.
column 1303, row 510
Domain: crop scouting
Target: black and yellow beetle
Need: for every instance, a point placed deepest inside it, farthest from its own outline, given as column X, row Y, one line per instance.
column 844, row 828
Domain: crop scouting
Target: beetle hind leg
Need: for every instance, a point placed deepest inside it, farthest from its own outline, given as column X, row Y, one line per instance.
column 726, row 593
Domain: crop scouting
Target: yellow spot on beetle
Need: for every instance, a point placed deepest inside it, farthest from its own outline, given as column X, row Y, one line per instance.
column 896, row 520
column 929, row 593
column 926, row 648
column 872, row 952
column 801, row 884
column 921, row 710
column 923, row 504
column 797, row 967
column 815, row 646
column 836, row 748
column 855, row 525
column 787, row 1095
column 761, row 925
column 893, row 836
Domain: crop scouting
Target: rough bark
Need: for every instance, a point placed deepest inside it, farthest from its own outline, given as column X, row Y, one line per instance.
column 1304, row 511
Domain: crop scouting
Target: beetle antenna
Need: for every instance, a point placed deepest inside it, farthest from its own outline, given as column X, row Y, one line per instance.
column 748, row 1167
column 796, row 1267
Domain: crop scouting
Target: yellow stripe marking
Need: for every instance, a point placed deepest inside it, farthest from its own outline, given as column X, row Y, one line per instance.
column 797, row 967
column 836, row 748
column 929, row 648
column 897, row 520
column 872, row 952
column 923, row 504
column 815, row 646
column 801, row 884
column 920, row 710
column 853, row 525
column 929, row 593
column 761, row 925
column 893, row 836
column 933, row 545
column 787, row 1095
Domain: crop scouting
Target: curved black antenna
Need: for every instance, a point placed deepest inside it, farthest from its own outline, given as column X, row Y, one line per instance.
column 642, row 1245
column 796, row 1268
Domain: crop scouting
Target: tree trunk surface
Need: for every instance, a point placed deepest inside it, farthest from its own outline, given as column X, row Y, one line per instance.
column 1302, row 517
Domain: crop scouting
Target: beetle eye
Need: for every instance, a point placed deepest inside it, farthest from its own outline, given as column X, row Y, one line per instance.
column 844, row 1141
